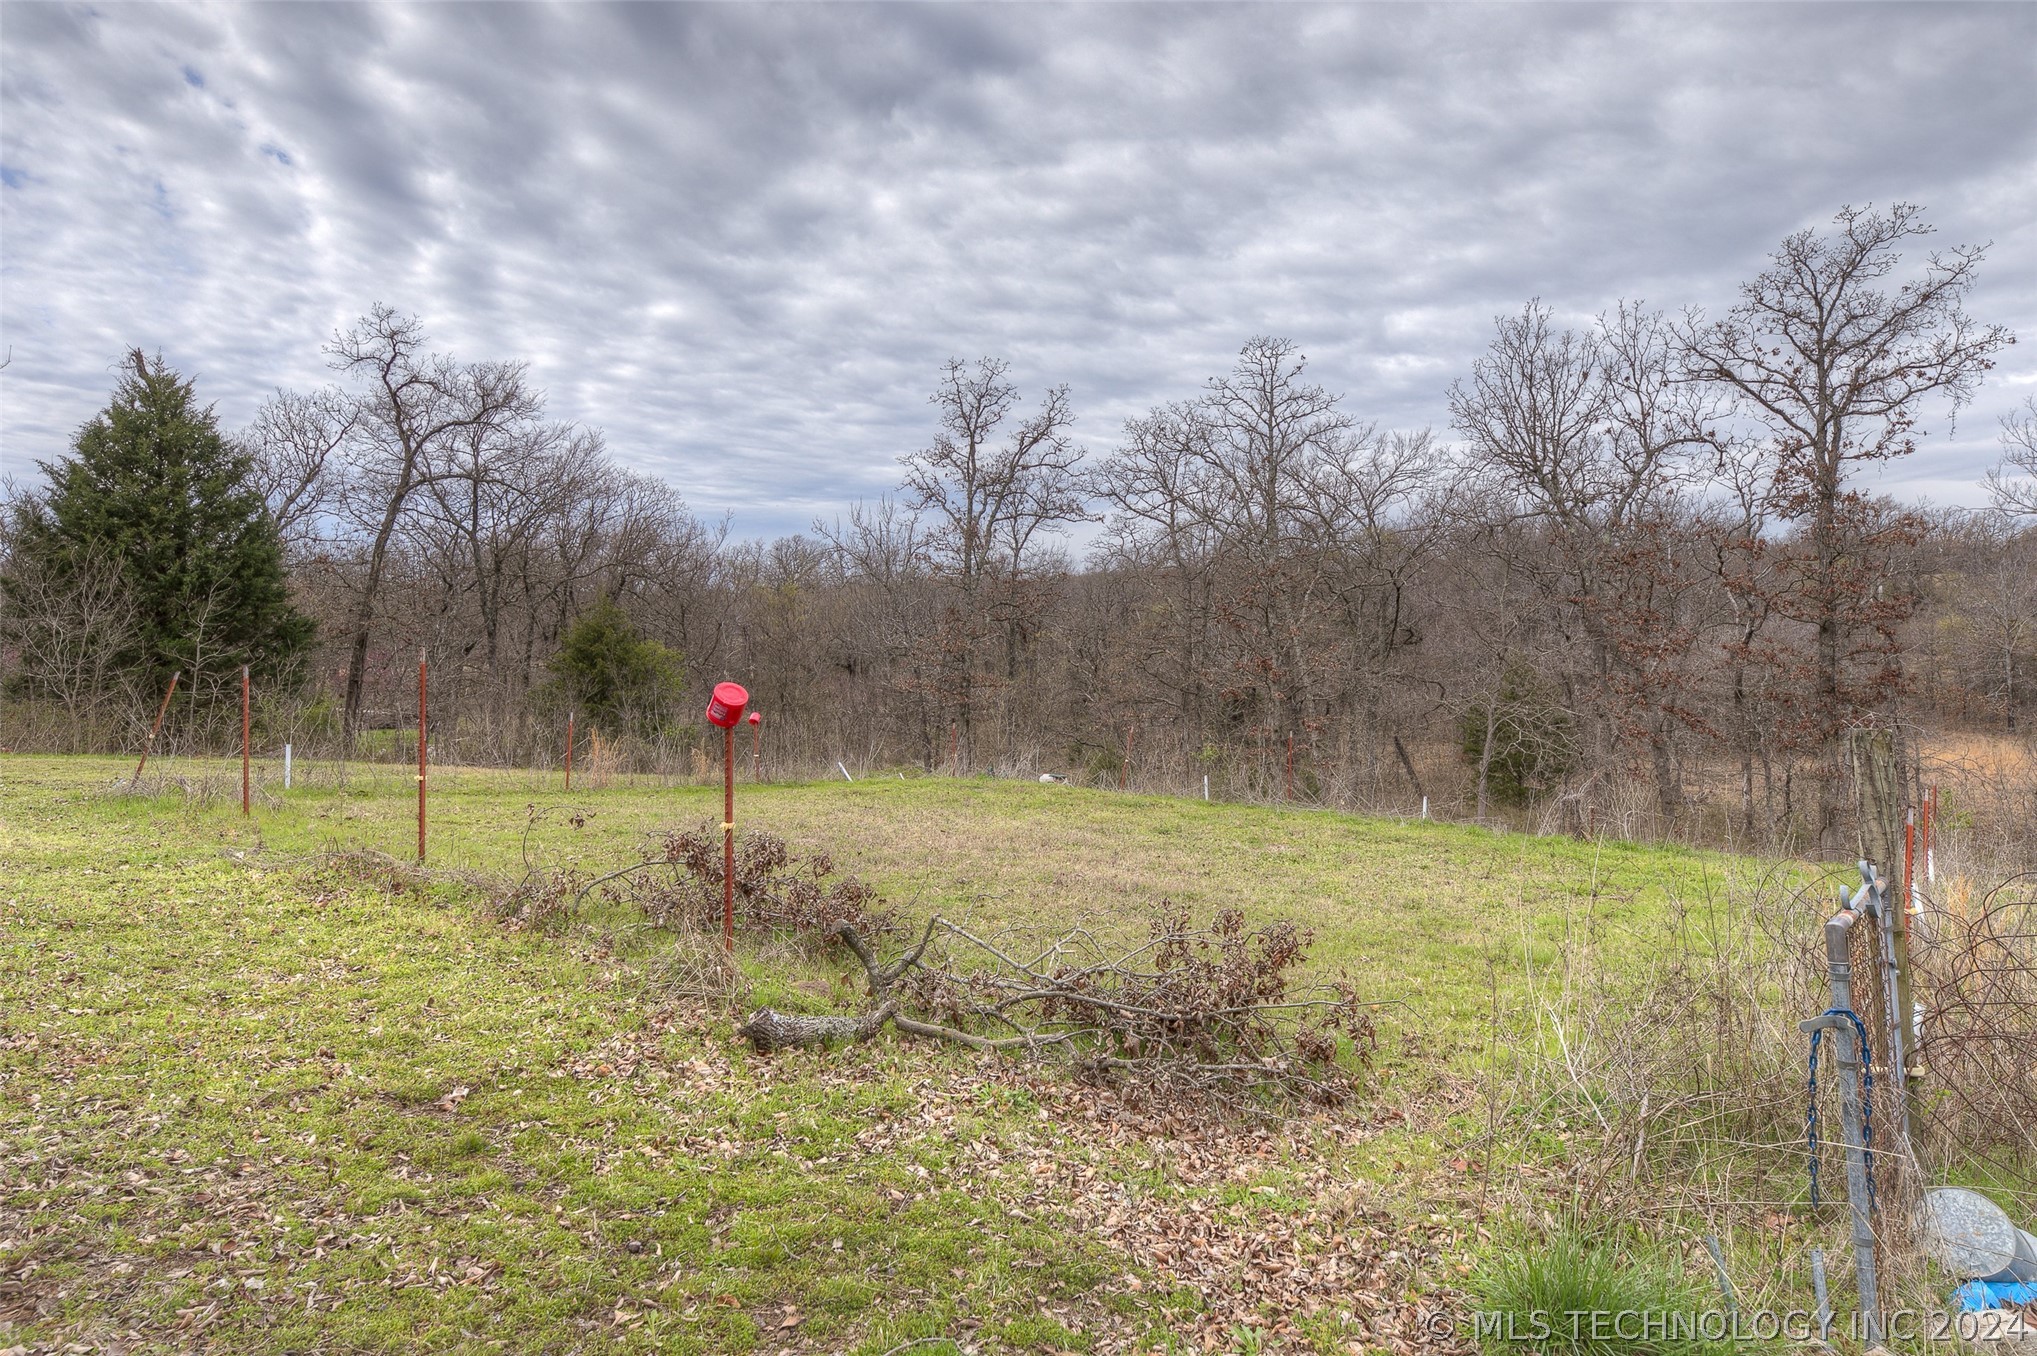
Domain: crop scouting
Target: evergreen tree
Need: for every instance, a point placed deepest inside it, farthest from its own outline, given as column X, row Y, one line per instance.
column 625, row 681
column 152, row 490
column 1520, row 740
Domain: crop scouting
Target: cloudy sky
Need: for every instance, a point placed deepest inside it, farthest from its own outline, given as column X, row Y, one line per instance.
column 741, row 240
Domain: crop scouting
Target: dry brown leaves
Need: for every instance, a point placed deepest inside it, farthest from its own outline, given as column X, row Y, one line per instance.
column 1221, row 1222
column 1320, row 1246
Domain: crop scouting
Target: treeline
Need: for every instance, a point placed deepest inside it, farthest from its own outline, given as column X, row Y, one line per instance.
column 1636, row 586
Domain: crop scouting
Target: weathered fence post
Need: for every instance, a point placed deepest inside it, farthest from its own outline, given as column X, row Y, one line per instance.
column 1818, row 1290
column 1877, row 794
column 1839, row 1021
column 154, row 730
column 1877, row 782
column 1931, row 834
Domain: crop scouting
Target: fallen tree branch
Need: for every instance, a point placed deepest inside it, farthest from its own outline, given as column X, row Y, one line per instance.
column 1208, row 1008
column 768, row 1031
column 882, row 977
column 1221, row 1009
column 587, row 889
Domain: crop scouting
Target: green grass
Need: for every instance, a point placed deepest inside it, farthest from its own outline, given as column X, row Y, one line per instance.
column 250, row 1101
column 1426, row 912
column 1583, row 1293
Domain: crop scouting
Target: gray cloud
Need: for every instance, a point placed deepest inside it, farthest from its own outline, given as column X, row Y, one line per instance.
column 741, row 239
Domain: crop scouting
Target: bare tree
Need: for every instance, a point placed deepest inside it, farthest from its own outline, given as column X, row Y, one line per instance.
column 1377, row 517
column 1273, row 438
column 1991, row 614
column 293, row 444
column 1835, row 367
column 412, row 402
column 1160, row 526
column 2013, row 483
column 1267, row 433
column 988, row 496
column 883, row 559
column 1733, row 530
column 71, row 633
column 491, row 490
column 1586, row 436
column 1534, row 412
column 1283, row 535
column 1264, row 429
column 992, row 481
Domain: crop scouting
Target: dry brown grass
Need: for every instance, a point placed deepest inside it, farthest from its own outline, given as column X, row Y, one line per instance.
column 1985, row 755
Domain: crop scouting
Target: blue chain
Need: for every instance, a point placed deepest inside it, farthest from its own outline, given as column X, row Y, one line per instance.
column 1866, row 1103
column 1811, row 1117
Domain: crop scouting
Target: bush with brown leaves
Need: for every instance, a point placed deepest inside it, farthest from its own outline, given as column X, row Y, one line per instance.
column 775, row 890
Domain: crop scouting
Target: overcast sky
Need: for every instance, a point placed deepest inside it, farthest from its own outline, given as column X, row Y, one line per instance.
column 741, row 240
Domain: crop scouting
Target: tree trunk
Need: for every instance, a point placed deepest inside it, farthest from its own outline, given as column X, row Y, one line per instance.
column 364, row 617
column 768, row 1031
column 1877, row 781
column 1668, row 789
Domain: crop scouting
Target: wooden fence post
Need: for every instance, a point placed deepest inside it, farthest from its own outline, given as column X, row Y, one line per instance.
column 1878, row 781
column 154, row 730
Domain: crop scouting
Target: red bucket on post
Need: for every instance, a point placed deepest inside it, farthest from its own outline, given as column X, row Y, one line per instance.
column 725, row 706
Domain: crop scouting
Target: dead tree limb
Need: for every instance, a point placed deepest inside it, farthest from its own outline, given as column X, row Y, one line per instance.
column 1223, row 1008
column 882, row 977
column 1214, row 1008
column 768, row 1031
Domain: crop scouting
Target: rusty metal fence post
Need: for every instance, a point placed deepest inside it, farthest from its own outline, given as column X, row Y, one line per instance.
column 245, row 752
column 420, row 757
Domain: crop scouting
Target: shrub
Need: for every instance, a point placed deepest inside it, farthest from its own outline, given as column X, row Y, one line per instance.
column 621, row 679
column 774, row 889
column 1533, row 739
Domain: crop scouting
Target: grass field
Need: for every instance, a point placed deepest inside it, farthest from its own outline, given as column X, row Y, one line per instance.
column 254, row 1099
